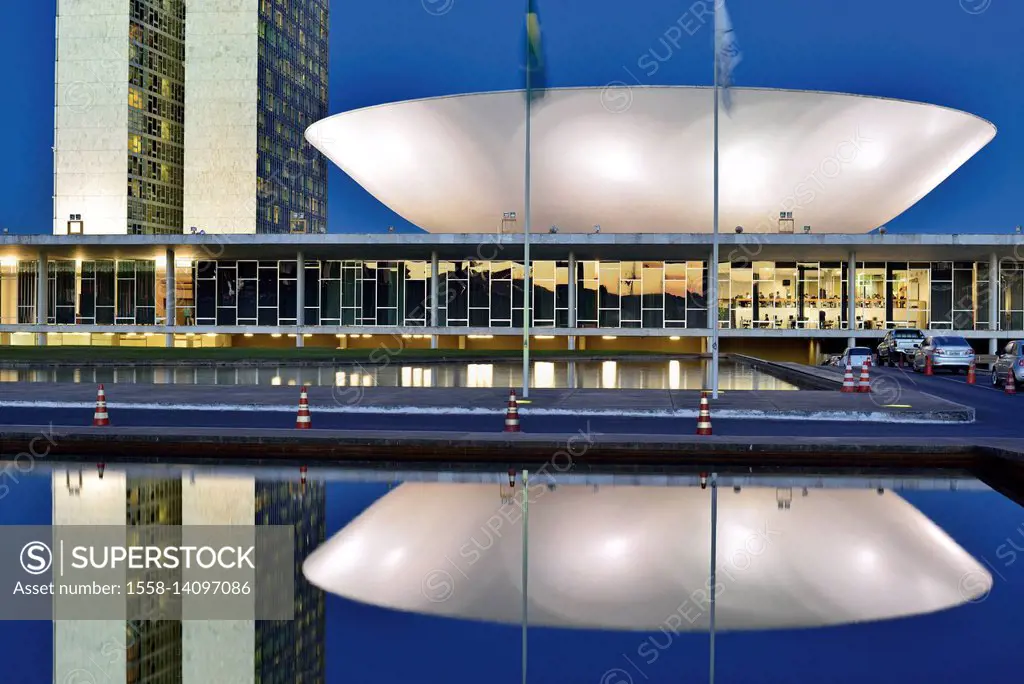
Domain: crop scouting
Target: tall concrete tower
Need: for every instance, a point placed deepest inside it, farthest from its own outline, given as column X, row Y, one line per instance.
column 180, row 114
column 120, row 113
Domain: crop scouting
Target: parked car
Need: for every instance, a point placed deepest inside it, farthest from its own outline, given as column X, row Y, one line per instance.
column 897, row 344
column 1012, row 358
column 857, row 357
column 946, row 352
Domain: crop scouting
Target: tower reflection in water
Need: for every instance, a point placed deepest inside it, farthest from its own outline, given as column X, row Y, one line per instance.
column 168, row 651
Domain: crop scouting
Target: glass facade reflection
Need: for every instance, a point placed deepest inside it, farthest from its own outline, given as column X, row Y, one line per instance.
column 607, row 295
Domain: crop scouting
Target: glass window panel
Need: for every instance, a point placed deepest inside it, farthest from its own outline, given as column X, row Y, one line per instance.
column 268, row 287
column 286, row 303
column 330, row 300
column 206, row 298
column 941, row 302
column 247, row 299
column 543, row 303
column 312, row 286
column 145, row 293
column 226, row 291
column 501, row 301
column 608, row 318
column 247, row 269
column 479, row 290
column 416, row 305
column 287, row 269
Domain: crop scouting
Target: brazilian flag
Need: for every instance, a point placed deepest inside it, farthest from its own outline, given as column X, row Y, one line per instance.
column 535, row 67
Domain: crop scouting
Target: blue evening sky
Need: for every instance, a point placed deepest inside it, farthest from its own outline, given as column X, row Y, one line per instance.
column 959, row 53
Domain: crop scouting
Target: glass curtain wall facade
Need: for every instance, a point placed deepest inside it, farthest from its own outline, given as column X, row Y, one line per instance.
column 293, row 64
column 650, row 295
column 156, row 116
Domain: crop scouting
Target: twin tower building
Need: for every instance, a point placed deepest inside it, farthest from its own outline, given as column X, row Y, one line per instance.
column 181, row 115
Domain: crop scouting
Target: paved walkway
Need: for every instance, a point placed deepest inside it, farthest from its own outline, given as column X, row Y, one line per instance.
column 882, row 405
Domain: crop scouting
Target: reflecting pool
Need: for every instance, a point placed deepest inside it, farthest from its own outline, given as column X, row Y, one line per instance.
column 673, row 374
column 817, row 578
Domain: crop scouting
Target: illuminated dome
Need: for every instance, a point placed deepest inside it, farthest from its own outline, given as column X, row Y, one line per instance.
column 640, row 159
column 627, row 558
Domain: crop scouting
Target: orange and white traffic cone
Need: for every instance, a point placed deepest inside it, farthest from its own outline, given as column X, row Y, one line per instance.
column 704, row 416
column 865, row 378
column 848, row 385
column 971, row 379
column 1010, row 387
column 703, row 479
column 100, row 417
column 928, row 366
column 512, row 413
column 303, row 421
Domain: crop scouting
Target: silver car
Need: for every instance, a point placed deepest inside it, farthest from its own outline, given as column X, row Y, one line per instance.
column 946, row 352
column 1012, row 358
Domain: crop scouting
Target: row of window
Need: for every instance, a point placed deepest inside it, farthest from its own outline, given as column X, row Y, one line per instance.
column 140, row 34
column 608, row 294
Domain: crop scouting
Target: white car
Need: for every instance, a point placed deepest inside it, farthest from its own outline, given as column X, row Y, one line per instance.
column 857, row 357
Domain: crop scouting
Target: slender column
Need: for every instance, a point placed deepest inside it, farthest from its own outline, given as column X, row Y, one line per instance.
column 300, row 298
column 572, row 300
column 171, row 299
column 851, row 298
column 993, row 302
column 42, row 286
column 433, row 298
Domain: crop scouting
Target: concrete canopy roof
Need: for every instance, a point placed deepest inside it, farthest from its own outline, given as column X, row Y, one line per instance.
column 606, row 246
column 639, row 160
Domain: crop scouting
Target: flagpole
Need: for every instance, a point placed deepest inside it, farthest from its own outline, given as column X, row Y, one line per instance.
column 713, row 265
column 526, row 229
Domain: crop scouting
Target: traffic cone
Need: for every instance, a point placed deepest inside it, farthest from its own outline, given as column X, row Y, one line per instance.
column 100, row 417
column 100, row 468
column 928, row 366
column 704, row 416
column 703, row 478
column 865, row 378
column 971, row 379
column 848, row 385
column 512, row 414
column 303, row 420
column 1010, row 387
column 302, row 475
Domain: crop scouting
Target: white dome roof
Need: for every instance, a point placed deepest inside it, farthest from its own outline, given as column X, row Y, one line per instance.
column 640, row 159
